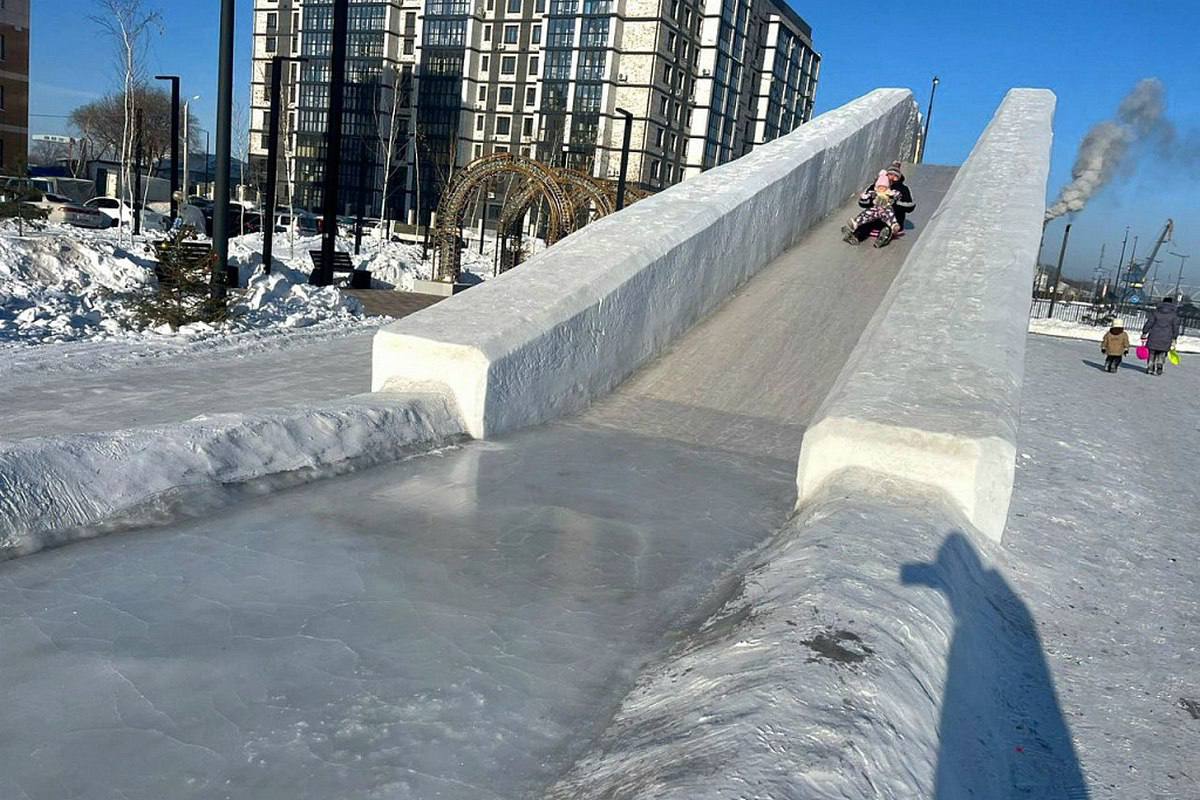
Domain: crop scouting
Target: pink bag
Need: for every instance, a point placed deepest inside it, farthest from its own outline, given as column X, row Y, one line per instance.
column 1143, row 352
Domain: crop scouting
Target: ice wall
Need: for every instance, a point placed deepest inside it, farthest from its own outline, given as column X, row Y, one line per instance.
column 569, row 325
column 932, row 392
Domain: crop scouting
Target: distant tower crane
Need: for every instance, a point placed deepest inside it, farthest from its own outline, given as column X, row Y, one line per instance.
column 1136, row 277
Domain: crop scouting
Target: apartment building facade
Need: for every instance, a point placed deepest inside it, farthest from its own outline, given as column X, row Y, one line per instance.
column 14, row 85
column 453, row 80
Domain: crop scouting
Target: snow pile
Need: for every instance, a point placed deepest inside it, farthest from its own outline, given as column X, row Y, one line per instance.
column 56, row 288
column 272, row 300
column 60, row 284
column 1094, row 333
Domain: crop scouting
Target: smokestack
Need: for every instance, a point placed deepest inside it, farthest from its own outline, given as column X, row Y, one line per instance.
column 1140, row 115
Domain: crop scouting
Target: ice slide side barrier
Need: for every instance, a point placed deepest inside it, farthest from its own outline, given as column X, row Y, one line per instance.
column 931, row 394
column 570, row 324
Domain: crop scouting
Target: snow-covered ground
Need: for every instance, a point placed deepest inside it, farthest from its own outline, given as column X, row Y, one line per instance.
column 1094, row 333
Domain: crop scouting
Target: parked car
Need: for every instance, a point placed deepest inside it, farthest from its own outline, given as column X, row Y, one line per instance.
column 66, row 211
column 119, row 212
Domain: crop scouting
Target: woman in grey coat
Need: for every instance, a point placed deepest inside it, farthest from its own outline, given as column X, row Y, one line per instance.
column 1160, row 332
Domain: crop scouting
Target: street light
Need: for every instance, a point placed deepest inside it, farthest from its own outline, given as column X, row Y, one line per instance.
column 187, row 142
column 323, row 275
column 928, row 116
column 624, row 157
column 174, row 79
column 224, row 146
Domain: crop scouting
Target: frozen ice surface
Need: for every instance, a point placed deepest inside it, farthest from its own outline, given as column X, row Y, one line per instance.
column 455, row 627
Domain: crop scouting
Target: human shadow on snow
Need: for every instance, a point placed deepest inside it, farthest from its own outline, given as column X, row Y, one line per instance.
column 1002, row 733
column 1124, row 365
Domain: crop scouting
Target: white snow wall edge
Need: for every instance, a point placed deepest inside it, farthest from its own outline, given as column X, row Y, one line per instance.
column 53, row 488
column 931, row 393
column 546, row 339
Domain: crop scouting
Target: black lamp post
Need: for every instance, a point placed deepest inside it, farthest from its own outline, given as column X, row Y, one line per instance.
column 174, row 79
column 323, row 276
column 224, row 147
column 624, row 157
column 928, row 116
column 273, row 159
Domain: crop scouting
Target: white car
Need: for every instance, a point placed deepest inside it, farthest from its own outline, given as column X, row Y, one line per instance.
column 119, row 212
column 64, row 210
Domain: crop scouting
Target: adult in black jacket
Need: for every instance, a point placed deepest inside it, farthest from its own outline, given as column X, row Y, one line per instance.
column 1160, row 332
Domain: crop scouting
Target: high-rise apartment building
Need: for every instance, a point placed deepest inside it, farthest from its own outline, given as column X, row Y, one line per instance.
column 453, row 80
column 14, row 84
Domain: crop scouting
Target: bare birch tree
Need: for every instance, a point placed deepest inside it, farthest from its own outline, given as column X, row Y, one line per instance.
column 386, row 125
column 129, row 25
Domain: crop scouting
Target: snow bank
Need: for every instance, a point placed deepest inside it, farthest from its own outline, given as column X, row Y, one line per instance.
column 57, row 287
column 60, row 284
column 932, row 391
column 872, row 652
column 50, row 488
column 574, row 321
column 1092, row 333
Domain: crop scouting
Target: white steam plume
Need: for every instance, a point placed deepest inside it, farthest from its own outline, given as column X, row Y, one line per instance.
column 1140, row 116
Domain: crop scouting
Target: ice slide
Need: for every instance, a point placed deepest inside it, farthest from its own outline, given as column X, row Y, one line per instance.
column 461, row 625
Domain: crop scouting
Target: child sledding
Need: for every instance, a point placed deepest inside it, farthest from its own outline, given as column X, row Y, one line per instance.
column 886, row 203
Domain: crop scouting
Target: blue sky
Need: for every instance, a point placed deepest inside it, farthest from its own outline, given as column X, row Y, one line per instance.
column 1090, row 54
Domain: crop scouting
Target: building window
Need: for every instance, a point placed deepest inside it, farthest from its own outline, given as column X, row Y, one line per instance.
column 271, row 43
column 536, row 33
column 506, row 95
column 533, row 65
column 487, row 33
column 527, row 126
column 481, row 96
column 512, row 34
column 667, row 74
column 655, row 169
column 662, row 105
column 408, row 47
column 503, row 126
column 3, row 98
column 272, row 22
column 525, row 152
column 672, row 40
column 508, row 65
column 514, row 6
column 658, row 137
column 501, row 148
column 530, row 96
column 484, row 63
column 479, row 122
column 478, row 151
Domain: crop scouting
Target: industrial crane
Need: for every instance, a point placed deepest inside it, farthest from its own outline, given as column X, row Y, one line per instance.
column 1136, row 277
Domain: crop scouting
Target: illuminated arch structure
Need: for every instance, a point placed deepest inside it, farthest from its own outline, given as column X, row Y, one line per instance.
column 571, row 200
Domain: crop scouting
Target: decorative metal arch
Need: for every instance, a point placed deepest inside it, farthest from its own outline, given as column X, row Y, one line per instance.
column 587, row 189
column 453, row 205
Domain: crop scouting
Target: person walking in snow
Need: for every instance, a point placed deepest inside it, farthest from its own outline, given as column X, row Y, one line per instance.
column 1160, row 332
column 1115, row 346
column 887, row 202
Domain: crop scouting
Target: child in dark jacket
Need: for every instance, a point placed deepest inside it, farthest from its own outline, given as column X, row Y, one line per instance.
column 1115, row 345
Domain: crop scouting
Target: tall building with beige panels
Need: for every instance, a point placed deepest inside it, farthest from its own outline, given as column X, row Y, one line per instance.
column 704, row 80
column 14, row 85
